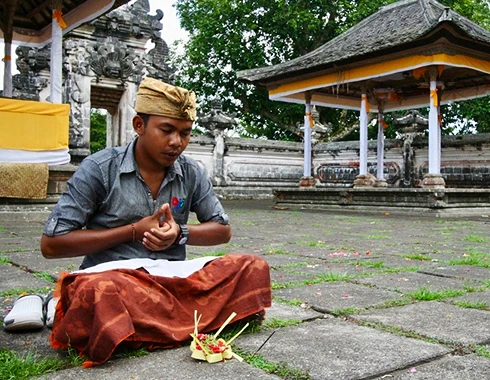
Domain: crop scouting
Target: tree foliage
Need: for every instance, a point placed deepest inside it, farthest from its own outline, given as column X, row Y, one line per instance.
column 97, row 131
column 226, row 36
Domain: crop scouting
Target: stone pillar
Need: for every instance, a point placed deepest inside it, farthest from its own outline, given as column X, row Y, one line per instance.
column 126, row 113
column 77, row 94
column 56, row 56
column 380, row 180
column 363, row 179
column 7, row 73
column 434, row 179
column 307, row 180
column 218, row 156
column 109, row 131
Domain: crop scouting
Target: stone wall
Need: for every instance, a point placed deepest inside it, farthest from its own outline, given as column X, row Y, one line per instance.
column 254, row 166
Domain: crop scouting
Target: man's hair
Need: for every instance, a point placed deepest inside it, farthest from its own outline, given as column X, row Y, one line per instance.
column 145, row 117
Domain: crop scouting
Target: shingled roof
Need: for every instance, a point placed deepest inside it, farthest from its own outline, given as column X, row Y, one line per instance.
column 394, row 27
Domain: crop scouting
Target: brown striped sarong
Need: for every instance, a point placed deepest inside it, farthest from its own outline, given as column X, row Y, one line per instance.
column 99, row 311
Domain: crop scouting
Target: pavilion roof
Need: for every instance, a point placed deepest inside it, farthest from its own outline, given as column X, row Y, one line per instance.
column 30, row 20
column 402, row 30
column 391, row 26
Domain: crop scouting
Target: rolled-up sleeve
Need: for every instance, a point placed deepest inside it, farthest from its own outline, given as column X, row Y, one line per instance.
column 85, row 190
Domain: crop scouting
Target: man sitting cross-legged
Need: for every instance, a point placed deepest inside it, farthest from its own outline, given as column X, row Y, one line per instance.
column 125, row 210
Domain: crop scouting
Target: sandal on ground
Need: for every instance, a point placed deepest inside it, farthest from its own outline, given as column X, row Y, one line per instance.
column 50, row 310
column 26, row 314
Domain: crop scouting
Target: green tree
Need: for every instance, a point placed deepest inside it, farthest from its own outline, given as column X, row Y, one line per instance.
column 231, row 35
column 97, row 130
column 473, row 115
column 226, row 36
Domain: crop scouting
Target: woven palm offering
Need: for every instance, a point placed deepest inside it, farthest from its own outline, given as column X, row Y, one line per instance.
column 209, row 347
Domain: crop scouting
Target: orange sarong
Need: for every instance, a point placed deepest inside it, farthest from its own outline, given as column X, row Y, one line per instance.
column 98, row 311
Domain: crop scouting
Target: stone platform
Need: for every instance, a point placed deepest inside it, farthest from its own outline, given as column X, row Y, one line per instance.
column 437, row 202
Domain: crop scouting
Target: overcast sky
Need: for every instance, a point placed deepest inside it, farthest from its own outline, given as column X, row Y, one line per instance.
column 170, row 32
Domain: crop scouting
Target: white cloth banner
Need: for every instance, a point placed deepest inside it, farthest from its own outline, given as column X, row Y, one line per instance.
column 50, row 157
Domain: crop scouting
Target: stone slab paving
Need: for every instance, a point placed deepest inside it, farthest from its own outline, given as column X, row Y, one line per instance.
column 450, row 367
column 289, row 266
column 406, row 282
column 475, row 298
column 278, row 261
column 13, row 278
column 329, row 243
column 471, row 272
column 164, row 364
column 288, row 312
column 328, row 297
column 36, row 263
column 35, row 342
column 335, row 255
column 390, row 261
column 439, row 320
column 335, row 349
column 280, row 277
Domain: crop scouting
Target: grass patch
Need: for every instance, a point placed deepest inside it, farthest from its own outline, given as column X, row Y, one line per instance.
column 472, row 305
column 476, row 259
column 475, row 239
column 481, row 350
column 397, row 302
column 45, row 276
column 275, row 250
column 369, row 264
column 328, row 277
column 127, row 353
column 4, row 260
column 68, row 267
column 416, row 256
column 24, row 291
column 297, row 265
column 218, row 252
column 281, row 369
column 318, row 244
column 16, row 366
column 424, row 294
column 275, row 323
column 396, row 330
column 294, row 302
column 399, row 269
column 344, row 312
column 13, row 250
column 376, row 237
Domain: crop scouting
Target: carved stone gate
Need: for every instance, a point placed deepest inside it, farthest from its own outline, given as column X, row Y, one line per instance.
column 103, row 63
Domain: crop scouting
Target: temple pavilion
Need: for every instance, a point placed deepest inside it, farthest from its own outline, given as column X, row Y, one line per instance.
column 407, row 55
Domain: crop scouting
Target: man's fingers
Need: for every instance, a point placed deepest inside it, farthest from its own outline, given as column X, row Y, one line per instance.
column 161, row 212
column 168, row 214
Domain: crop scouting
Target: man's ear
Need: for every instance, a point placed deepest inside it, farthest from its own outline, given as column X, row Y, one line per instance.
column 138, row 124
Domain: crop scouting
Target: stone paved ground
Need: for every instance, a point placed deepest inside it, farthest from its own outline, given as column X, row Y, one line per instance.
column 356, row 296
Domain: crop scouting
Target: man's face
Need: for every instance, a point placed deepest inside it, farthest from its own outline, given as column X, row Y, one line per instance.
column 163, row 139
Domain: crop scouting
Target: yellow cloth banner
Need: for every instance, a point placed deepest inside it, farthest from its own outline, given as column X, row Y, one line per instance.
column 35, row 126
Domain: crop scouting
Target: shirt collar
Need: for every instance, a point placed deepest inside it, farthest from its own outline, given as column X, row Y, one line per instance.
column 128, row 162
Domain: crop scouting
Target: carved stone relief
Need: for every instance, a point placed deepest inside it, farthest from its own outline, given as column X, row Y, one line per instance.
column 110, row 52
column 30, row 62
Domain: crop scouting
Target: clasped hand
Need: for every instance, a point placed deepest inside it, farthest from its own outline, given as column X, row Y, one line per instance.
column 159, row 230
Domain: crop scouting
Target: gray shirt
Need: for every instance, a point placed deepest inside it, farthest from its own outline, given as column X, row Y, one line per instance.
column 108, row 191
